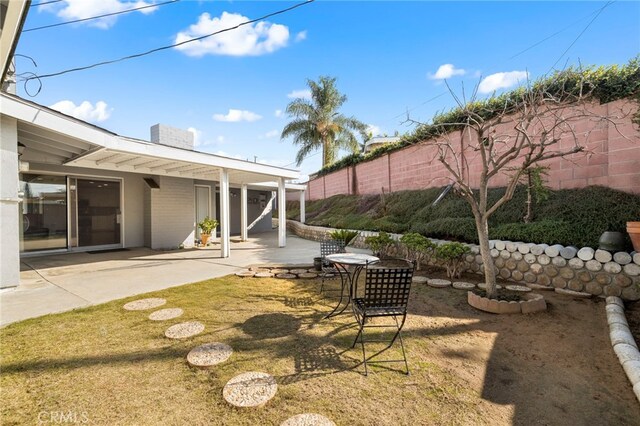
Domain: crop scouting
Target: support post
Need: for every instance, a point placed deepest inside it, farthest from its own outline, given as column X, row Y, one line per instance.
column 243, row 213
column 225, row 240
column 303, row 214
column 10, row 216
column 282, row 214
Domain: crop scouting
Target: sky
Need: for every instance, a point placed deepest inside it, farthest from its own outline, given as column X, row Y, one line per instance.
column 231, row 90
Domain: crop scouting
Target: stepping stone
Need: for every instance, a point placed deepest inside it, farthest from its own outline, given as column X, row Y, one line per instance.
column 521, row 288
column 420, row 280
column 438, row 283
column 184, row 330
column 251, row 389
column 308, row 275
column 209, row 354
column 279, row 271
column 166, row 314
column 298, row 271
column 144, row 304
column 308, row 419
column 484, row 286
column 264, row 275
column 461, row 285
column 572, row 293
column 286, row 276
column 245, row 274
column 313, row 271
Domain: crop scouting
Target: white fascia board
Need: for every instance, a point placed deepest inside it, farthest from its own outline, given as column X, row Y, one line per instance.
column 274, row 186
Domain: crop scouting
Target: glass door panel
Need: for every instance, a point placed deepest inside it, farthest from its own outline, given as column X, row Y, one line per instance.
column 203, row 206
column 44, row 212
column 98, row 212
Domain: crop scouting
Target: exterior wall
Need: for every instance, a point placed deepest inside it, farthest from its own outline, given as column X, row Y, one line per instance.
column 253, row 211
column 542, row 267
column 172, row 213
column 9, row 213
column 611, row 158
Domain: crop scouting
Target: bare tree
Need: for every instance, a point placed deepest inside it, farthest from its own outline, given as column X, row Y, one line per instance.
column 511, row 135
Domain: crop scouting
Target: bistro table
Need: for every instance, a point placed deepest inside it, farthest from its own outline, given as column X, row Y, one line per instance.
column 349, row 266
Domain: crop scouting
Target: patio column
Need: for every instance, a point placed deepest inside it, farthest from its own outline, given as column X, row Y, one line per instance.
column 282, row 213
column 303, row 215
column 243, row 213
column 225, row 239
column 9, row 208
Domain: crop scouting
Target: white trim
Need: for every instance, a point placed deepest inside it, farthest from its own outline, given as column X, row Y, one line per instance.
column 195, row 206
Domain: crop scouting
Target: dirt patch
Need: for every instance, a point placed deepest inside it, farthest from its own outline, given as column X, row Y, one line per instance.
column 632, row 312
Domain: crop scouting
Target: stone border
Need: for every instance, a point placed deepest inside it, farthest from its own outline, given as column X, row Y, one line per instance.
column 533, row 303
column 585, row 270
column 624, row 345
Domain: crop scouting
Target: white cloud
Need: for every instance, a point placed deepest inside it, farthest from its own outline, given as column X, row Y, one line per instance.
column 81, row 9
column 446, row 71
column 374, row 130
column 197, row 136
column 302, row 35
column 220, row 139
column 501, row 80
column 236, row 115
column 304, row 93
column 270, row 134
column 278, row 113
column 249, row 40
column 85, row 111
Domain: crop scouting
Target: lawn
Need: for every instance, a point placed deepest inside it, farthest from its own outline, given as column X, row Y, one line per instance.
column 116, row 367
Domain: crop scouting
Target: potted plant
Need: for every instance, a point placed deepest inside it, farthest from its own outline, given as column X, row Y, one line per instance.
column 633, row 228
column 207, row 225
column 344, row 235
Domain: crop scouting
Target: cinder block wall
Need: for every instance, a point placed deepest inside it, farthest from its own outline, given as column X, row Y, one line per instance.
column 173, row 213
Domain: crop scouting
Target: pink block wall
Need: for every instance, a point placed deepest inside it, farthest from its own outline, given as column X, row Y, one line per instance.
column 611, row 158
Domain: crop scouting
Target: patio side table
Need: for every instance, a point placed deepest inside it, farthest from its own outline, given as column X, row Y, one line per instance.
column 349, row 266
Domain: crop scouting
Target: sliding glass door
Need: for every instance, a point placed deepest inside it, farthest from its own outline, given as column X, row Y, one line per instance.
column 96, row 212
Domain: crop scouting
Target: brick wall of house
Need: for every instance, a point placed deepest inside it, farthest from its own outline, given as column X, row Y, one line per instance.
column 611, row 158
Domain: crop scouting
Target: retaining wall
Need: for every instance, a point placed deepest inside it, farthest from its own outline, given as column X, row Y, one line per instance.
column 596, row 272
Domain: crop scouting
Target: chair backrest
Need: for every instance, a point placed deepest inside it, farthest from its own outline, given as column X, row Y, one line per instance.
column 387, row 287
column 331, row 247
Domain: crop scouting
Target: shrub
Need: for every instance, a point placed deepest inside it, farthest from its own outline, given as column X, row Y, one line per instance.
column 418, row 247
column 452, row 255
column 545, row 231
column 454, row 228
column 380, row 244
column 344, row 235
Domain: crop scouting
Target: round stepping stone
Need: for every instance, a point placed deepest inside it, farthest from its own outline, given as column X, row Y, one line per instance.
column 277, row 271
column 327, row 275
column 298, row 271
column 264, row 275
column 521, row 288
column 312, row 271
column 461, row 285
column 245, row 274
column 144, row 304
column 438, row 283
column 286, row 276
column 184, row 330
column 420, row 280
column 251, row 389
column 308, row 419
column 483, row 286
column 308, row 275
column 209, row 354
column 166, row 314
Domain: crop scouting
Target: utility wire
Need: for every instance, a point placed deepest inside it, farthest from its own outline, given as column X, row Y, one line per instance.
column 46, row 2
column 158, row 49
column 100, row 16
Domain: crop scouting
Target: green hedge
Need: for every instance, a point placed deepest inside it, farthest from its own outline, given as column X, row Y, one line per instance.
column 568, row 217
column 606, row 83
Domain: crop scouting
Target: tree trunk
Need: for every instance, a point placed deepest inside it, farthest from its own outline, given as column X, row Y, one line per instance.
column 482, row 224
column 529, row 216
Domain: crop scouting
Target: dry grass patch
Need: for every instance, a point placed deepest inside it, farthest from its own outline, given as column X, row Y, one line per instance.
column 466, row 367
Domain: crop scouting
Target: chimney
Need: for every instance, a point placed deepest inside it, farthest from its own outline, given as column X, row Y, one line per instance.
column 170, row 136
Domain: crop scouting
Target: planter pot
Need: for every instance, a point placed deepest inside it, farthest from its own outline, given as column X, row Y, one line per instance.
column 204, row 238
column 633, row 228
column 612, row 241
column 317, row 263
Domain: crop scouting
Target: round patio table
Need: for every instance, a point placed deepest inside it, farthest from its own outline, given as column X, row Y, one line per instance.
column 349, row 266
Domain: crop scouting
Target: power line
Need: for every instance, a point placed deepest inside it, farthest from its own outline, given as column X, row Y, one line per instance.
column 158, row 49
column 46, row 2
column 99, row 16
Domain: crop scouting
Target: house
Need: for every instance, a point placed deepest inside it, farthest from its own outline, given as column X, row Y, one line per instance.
column 67, row 185
column 378, row 141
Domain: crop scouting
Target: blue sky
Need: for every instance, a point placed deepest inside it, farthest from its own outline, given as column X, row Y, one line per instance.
column 389, row 57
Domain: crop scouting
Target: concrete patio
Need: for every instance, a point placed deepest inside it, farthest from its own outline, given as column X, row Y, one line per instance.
column 58, row 283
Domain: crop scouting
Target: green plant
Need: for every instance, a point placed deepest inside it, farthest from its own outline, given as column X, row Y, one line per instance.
column 418, row 247
column 207, row 225
column 344, row 235
column 452, row 255
column 380, row 244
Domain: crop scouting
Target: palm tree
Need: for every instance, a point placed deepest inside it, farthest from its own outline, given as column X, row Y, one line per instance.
column 318, row 124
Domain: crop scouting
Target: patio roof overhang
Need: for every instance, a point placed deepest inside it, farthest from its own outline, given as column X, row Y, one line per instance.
column 51, row 137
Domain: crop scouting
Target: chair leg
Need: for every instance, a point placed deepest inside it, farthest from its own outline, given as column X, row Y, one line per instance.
column 364, row 353
column 358, row 335
column 399, row 334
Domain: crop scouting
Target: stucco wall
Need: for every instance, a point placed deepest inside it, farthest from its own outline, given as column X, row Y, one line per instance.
column 173, row 213
column 9, row 213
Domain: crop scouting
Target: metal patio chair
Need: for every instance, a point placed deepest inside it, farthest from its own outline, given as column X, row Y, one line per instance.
column 386, row 294
column 329, row 271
